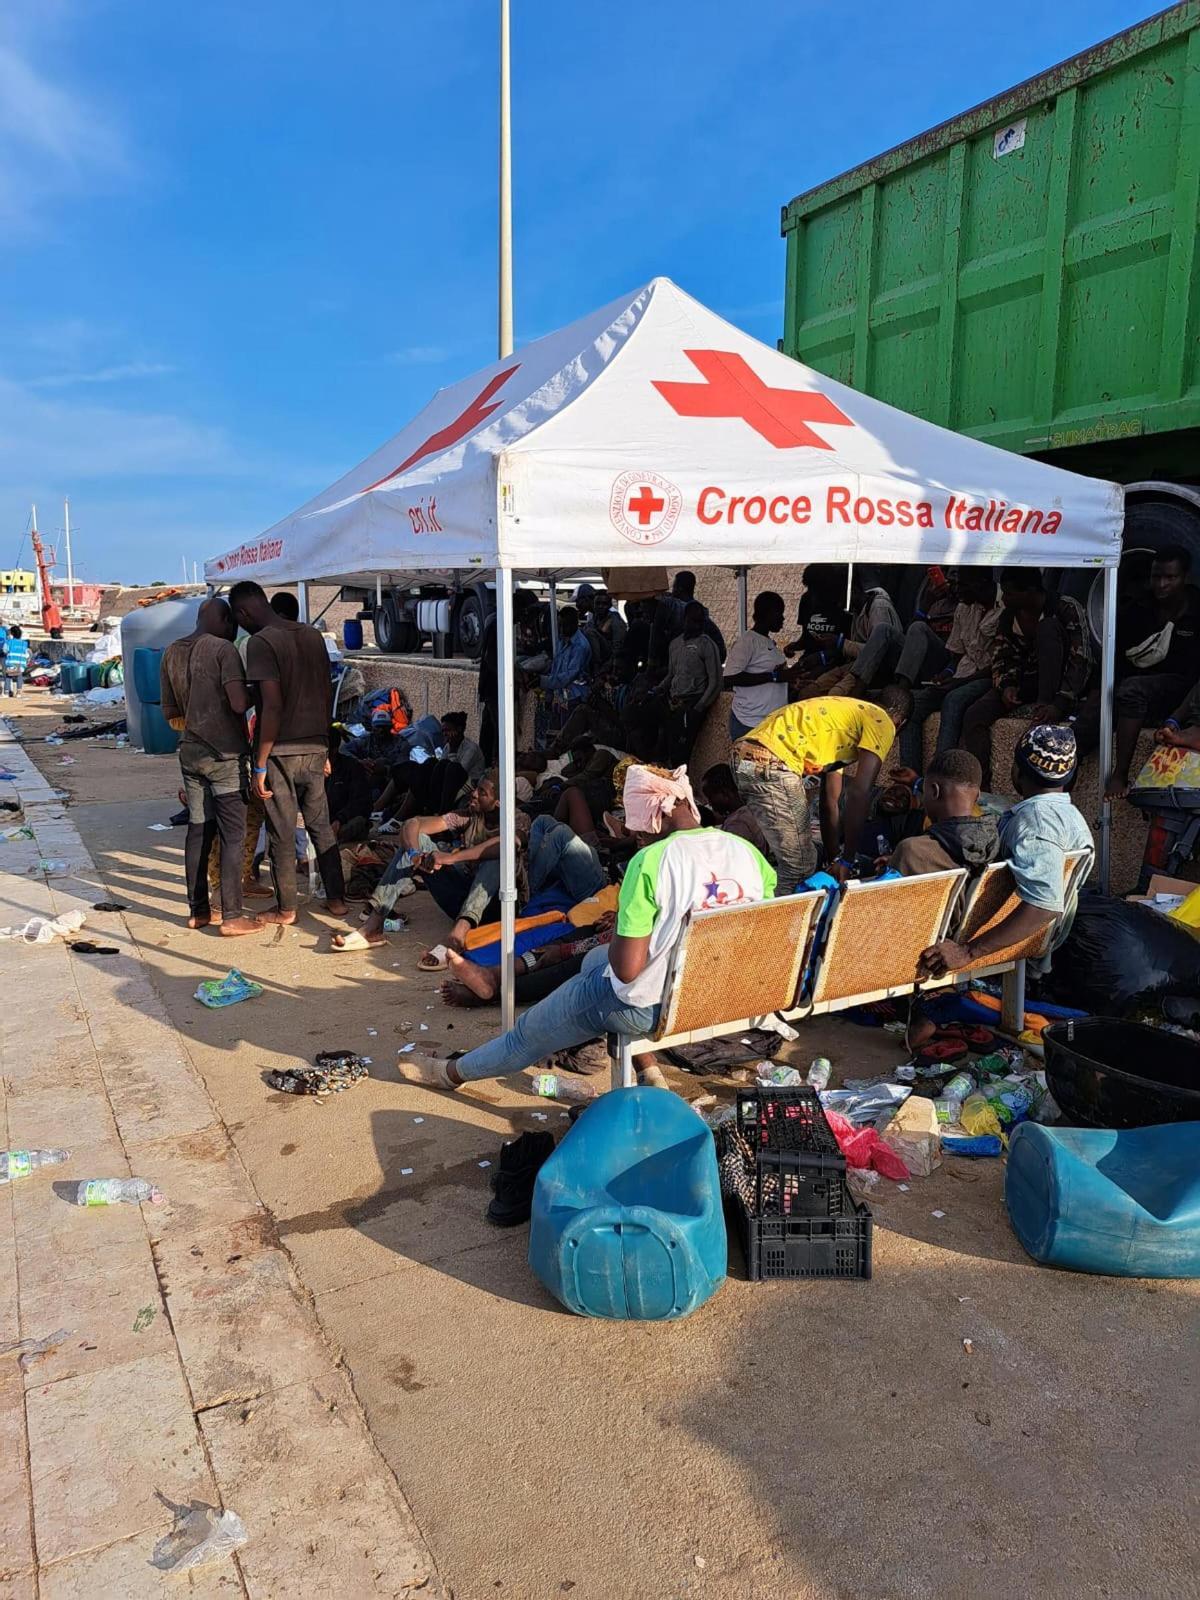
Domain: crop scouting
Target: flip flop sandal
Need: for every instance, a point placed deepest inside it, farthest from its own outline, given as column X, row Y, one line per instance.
column 939, row 1052
column 434, row 960
column 109, row 905
column 354, row 940
column 85, row 947
column 972, row 1034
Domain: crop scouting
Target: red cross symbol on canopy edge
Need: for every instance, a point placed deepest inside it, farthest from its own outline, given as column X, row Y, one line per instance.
column 732, row 388
column 645, row 504
column 466, row 421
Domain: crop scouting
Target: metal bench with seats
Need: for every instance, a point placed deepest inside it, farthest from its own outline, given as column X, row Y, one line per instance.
column 739, row 967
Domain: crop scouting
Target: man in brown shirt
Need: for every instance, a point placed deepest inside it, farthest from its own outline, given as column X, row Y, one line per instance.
column 204, row 695
column 288, row 667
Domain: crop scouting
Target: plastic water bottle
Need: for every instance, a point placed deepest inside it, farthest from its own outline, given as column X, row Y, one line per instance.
column 960, row 1086
column 16, row 1164
column 947, row 1110
column 819, row 1073
column 118, row 1191
column 571, row 1091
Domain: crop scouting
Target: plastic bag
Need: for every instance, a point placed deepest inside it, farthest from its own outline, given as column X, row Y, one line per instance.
column 1119, row 952
column 201, row 1533
column 862, row 1147
column 862, row 1106
column 227, row 991
column 44, row 930
column 777, row 1076
column 978, row 1116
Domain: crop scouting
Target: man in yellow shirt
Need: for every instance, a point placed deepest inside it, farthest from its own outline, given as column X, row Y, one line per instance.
column 811, row 738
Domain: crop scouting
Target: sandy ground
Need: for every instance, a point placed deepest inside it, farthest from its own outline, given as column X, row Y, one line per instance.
column 791, row 1439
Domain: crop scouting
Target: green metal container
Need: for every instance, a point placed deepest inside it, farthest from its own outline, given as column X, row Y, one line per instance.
column 1027, row 273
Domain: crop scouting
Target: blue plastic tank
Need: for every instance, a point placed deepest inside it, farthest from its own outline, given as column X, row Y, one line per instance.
column 147, row 664
column 1120, row 1201
column 72, row 677
column 352, row 634
column 158, row 736
column 627, row 1219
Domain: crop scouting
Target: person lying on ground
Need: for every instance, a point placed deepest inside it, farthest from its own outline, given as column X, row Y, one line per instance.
column 588, row 791
column 720, row 794
column 347, row 792
column 757, row 669
column 537, row 973
column 957, row 835
column 683, row 869
column 1041, row 661
column 816, row 738
column 961, row 670
column 288, row 669
column 1036, row 835
column 202, row 685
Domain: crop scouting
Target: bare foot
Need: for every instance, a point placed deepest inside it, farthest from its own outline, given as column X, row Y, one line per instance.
column 335, row 908
column 204, row 919
column 457, row 994
column 1114, row 789
column 237, row 926
column 481, row 981
column 357, row 939
column 285, row 918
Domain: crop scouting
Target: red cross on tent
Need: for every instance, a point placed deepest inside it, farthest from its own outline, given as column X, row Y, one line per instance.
column 732, row 388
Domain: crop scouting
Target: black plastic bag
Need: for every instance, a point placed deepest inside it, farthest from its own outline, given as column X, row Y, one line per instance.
column 1119, row 953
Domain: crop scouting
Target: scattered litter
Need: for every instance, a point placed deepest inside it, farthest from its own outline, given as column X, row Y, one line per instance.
column 937, row 1213
column 968, row 1347
column 88, row 947
column 700, row 1562
column 227, row 991
column 334, row 1072
column 540, row 1116
column 903, row 1187
column 485, row 1163
column 963, row 1299
column 778, row 1077
column 372, row 1031
column 418, row 1119
column 425, row 1025
column 406, row 1172
column 67, row 761
column 17, row 833
column 118, row 1191
column 367, row 1061
column 405, row 1048
column 16, row 1164
column 560, row 1086
column 44, row 930
column 33, row 1349
column 201, row 1533
column 48, row 868
column 160, row 827
column 110, row 905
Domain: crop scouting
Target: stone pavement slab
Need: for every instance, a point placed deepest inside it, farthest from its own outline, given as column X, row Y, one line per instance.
column 172, row 1309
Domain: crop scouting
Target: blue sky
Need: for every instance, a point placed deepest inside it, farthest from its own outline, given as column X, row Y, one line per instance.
column 243, row 242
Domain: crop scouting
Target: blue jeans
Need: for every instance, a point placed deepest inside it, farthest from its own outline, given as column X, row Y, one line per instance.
column 586, row 1007
column 737, row 730
column 556, row 852
column 955, row 700
column 778, row 802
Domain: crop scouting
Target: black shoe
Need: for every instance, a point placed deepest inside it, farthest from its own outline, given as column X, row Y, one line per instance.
column 520, row 1163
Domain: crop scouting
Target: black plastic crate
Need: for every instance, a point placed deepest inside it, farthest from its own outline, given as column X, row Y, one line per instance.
column 808, row 1247
column 799, row 1169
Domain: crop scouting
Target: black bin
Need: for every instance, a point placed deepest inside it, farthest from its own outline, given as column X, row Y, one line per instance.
column 1108, row 1074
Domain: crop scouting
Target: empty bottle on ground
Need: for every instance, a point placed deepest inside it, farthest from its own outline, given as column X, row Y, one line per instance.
column 20, row 1163
column 118, row 1191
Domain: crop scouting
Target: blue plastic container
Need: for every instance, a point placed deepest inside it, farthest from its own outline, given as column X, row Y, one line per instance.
column 627, row 1219
column 72, row 677
column 158, row 736
column 146, row 665
column 1119, row 1201
column 352, row 634
column 95, row 675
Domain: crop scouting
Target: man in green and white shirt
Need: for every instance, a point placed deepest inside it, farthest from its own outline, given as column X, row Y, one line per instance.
column 684, row 868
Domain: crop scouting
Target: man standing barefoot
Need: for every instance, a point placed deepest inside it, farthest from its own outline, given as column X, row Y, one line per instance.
column 288, row 668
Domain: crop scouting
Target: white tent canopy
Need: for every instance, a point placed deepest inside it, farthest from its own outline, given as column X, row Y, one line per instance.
column 652, row 432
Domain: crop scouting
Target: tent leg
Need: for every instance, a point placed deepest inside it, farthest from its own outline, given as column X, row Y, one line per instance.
column 1108, row 671
column 505, row 639
column 302, row 600
column 1012, row 999
column 553, row 617
column 743, row 595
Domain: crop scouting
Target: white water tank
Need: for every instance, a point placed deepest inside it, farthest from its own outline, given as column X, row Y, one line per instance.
column 153, row 627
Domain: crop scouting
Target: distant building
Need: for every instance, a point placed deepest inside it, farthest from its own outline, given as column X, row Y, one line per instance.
column 17, row 581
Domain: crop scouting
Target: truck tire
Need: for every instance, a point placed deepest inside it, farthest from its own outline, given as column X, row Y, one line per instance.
column 1151, row 524
column 395, row 634
column 468, row 626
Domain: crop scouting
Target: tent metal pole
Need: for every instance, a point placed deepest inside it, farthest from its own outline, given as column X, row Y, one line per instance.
column 302, row 600
column 553, row 616
column 743, row 593
column 505, row 242
column 505, row 640
column 1108, row 673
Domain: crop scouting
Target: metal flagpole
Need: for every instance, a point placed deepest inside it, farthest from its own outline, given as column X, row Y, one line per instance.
column 505, row 635
column 70, row 567
column 1108, row 673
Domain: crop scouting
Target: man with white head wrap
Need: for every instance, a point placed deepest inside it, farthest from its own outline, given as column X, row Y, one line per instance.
column 683, row 868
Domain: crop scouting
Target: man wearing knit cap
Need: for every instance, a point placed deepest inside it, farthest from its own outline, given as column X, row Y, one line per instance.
column 1036, row 836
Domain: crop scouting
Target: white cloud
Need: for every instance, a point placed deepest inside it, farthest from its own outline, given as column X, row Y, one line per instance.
column 121, row 372
column 55, row 139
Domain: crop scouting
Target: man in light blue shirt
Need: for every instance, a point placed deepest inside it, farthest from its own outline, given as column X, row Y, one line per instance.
column 1036, row 836
column 570, row 669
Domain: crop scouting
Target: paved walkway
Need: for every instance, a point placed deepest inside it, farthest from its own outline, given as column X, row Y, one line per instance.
column 194, row 1367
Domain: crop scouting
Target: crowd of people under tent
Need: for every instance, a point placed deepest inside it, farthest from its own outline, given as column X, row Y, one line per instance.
column 618, row 842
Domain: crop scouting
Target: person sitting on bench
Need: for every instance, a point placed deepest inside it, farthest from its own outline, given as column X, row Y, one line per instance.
column 1036, row 836
column 682, row 869
column 957, row 835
